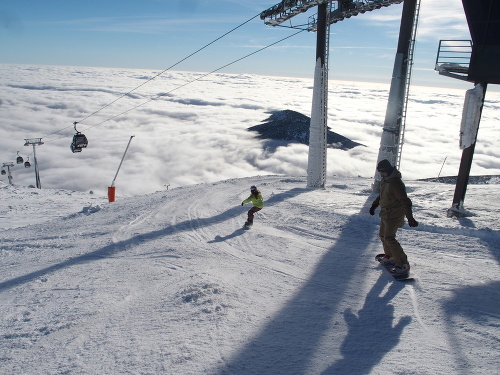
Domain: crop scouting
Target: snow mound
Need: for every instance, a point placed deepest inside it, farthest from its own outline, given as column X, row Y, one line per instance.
column 91, row 209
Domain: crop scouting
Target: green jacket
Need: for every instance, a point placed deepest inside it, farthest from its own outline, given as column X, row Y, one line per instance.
column 393, row 201
column 257, row 201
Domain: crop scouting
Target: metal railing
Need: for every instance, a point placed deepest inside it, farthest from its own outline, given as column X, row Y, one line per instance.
column 453, row 58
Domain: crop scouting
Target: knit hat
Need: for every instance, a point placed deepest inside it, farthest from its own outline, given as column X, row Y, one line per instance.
column 385, row 166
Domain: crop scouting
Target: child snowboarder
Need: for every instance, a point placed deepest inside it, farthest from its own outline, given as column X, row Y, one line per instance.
column 257, row 201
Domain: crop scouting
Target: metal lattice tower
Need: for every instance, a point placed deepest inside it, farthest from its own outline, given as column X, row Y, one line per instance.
column 287, row 9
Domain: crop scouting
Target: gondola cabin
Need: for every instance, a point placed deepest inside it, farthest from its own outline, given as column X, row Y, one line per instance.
column 27, row 164
column 19, row 160
column 79, row 142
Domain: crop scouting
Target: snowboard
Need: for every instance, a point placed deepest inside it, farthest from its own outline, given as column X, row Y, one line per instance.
column 389, row 266
column 247, row 226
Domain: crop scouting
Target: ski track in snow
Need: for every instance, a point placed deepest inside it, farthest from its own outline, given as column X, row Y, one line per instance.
column 432, row 336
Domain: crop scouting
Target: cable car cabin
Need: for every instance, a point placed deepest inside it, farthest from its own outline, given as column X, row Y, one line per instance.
column 19, row 160
column 79, row 142
column 27, row 164
column 3, row 172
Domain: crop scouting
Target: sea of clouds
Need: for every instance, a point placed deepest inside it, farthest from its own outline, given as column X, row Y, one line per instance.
column 188, row 133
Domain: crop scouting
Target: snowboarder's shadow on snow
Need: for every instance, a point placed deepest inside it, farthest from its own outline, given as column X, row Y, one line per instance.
column 371, row 333
column 236, row 233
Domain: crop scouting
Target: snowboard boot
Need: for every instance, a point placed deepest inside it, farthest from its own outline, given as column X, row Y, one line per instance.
column 384, row 259
column 404, row 270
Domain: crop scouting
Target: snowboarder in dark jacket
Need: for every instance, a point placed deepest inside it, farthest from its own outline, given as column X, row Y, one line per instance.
column 395, row 205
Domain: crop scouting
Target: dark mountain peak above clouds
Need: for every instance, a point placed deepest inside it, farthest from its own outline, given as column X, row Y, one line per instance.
column 284, row 127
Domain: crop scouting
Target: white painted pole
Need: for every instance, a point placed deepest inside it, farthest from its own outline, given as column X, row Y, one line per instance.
column 111, row 189
column 123, row 157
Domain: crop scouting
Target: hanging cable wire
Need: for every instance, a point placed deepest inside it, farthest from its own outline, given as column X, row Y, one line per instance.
column 187, row 83
column 159, row 74
column 179, row 87
column 195, row 80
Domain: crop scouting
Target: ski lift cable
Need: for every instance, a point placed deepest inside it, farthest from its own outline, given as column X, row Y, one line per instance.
column 195, row 80
column 30, row 154
column 159, row 74
column 178, row 87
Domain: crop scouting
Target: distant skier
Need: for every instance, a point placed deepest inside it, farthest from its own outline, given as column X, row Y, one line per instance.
column 257, row 201
column 395, row 205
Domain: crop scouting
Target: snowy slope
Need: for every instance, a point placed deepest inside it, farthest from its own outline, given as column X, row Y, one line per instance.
column 169, row 283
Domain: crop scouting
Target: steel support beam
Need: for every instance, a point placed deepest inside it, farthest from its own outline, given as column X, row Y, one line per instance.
column 457, row 207
column 316, row 167
column 391, row 134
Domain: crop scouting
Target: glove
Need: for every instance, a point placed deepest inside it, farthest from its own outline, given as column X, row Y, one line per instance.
column 372, row 209
column 412, row 223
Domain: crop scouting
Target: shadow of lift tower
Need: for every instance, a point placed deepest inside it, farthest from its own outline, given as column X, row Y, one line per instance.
column 474, row 61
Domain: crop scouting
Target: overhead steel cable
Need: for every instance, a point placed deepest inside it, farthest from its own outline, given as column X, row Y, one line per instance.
column 188, row 83
column 195, row 80
column 159, row 74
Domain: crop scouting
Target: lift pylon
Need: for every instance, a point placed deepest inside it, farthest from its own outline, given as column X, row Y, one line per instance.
column 343, row 9
column 9, row 175
column 35, row 142
column 391, row 142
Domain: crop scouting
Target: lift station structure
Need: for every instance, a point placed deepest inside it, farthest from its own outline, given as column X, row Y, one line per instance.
column 329, row 12
column 474, row 61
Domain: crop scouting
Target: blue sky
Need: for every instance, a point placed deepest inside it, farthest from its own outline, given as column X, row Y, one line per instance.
column 155, row 34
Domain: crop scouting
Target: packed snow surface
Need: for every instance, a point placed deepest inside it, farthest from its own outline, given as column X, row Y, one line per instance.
column 170, row 283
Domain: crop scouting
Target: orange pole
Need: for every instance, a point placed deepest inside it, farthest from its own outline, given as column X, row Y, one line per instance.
column 111, row 193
